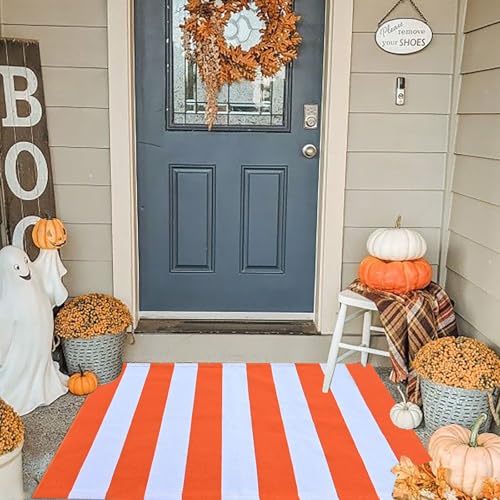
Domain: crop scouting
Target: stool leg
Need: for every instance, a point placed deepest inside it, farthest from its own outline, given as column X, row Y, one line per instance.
column 334, row 348
column 365, row 336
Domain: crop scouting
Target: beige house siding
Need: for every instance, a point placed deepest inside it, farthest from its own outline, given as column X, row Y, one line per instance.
column 473, row 264
column 73, row 45
column 397, row 155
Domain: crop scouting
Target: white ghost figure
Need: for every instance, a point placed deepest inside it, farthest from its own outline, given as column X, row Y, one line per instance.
column 50, row 270
column 28, row 376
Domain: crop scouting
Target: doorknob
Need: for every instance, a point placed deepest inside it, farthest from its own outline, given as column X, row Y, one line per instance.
column 309, row 151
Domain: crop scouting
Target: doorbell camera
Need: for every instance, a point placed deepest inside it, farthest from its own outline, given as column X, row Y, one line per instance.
column 400, row 90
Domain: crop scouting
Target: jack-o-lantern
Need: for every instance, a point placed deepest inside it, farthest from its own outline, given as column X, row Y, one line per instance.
column 49, row 234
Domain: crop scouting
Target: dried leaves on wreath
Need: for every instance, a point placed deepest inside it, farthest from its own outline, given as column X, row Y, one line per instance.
column 417, row 482
column 219, row 63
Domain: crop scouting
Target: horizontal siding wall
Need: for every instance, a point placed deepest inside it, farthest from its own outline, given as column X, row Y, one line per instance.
column 397, row 155
column 73, row 46
column 473, row 260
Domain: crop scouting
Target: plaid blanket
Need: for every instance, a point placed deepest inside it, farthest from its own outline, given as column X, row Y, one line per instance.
column 410, row 321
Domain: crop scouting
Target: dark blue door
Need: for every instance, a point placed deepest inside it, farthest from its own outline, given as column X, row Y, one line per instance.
column 227, row 218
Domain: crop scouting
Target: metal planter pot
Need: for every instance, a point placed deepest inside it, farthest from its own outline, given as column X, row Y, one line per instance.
column 102, row 355
column 11, row 475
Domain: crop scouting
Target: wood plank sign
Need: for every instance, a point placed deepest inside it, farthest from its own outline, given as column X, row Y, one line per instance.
column 403, row 36
column 27, row 191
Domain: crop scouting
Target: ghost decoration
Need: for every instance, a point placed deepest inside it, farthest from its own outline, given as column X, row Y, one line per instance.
column 49, row 235
column 28, row 376
column 50, row 270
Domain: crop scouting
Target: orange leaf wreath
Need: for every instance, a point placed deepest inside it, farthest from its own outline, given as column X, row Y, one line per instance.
column 220, row 63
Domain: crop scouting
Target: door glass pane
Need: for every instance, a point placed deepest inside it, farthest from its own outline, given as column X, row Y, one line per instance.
column 262, row 103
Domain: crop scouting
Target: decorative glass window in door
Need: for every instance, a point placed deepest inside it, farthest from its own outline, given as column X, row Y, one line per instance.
column 248, row 105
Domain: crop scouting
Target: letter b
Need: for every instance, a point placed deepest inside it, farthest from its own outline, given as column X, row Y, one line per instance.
column 12, row 96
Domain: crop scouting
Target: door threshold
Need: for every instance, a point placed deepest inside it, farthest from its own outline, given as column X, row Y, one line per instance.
column 213, row 327
column 231, row 316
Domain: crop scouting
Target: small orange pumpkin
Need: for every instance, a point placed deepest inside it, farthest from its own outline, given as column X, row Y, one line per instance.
column 49, row 234
column 396, row 277
column 471, row 458
column 82, row 383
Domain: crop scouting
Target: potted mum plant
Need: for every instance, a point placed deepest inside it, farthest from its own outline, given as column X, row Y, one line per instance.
column 92, row 329
column 11, row 445
column 460, row 380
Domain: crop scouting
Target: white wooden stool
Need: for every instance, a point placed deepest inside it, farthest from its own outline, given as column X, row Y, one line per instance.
column 349, row 298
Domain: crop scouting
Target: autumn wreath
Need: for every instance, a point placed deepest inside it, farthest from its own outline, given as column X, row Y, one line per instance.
column 220, row 63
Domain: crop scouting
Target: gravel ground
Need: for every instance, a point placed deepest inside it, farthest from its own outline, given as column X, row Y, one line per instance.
column 47, row 426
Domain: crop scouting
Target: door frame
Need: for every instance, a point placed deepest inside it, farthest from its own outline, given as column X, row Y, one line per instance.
column 331, row 188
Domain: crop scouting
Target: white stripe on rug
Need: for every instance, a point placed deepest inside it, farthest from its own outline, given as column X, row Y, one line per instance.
column 96, row 473
column 373, row 448
column 311, row 469
column 169, row 462
column 239, row 468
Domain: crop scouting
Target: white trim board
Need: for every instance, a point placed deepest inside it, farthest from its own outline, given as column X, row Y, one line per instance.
column 334, row 128
column 252, row 316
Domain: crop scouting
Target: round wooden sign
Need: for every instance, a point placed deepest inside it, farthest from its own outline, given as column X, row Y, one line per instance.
column 403, row 36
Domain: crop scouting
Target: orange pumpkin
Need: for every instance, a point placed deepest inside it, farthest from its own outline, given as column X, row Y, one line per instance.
column 49, row 234
column 471, row 458
column 396, row 277
column 82, row 383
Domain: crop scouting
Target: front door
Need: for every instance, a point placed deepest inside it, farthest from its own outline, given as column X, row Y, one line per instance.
column 227, row 217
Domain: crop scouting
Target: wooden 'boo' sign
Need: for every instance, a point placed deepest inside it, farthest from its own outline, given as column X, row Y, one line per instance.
column 403, row 36
column 27, row 191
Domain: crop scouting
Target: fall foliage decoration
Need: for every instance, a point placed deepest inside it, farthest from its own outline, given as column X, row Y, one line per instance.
column 220, row 63
column 49, row 234
column 459, row 362
column 82, row 383
column 396, row 277
column 469, row 458
column 419, row 482
column 11, row 429
column 91, row 315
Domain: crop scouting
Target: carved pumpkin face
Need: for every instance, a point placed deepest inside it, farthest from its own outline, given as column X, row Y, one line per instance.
column 49, row 234
column 396, row 277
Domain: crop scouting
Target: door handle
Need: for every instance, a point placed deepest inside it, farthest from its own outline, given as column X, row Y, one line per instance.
column 309, row 151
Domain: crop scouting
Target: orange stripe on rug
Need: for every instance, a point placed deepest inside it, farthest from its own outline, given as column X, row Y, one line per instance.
column 131, row 474
column 274, row 464
column 348, row 471
column 204, row 461
column 64, row 468
column 380, row 402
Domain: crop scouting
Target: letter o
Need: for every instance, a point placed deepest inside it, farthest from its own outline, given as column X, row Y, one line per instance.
column 20, row 229
column 42, row 172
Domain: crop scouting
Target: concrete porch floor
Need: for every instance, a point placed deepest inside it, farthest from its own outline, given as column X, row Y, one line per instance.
column 46, row 428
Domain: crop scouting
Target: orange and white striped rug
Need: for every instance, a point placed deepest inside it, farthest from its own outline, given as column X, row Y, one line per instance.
column 232, row 432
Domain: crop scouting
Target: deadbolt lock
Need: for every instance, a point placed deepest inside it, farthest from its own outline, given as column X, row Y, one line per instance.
column 310, row 116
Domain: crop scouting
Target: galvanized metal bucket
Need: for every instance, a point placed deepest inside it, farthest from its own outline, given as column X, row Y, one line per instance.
column 102, row 355
column 444, row 405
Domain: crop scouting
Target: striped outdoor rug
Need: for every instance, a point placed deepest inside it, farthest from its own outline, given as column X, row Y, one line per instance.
column 232, row 431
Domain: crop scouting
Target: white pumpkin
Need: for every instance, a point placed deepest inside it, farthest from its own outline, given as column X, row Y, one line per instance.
column 406, row 415
column 396, row 244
